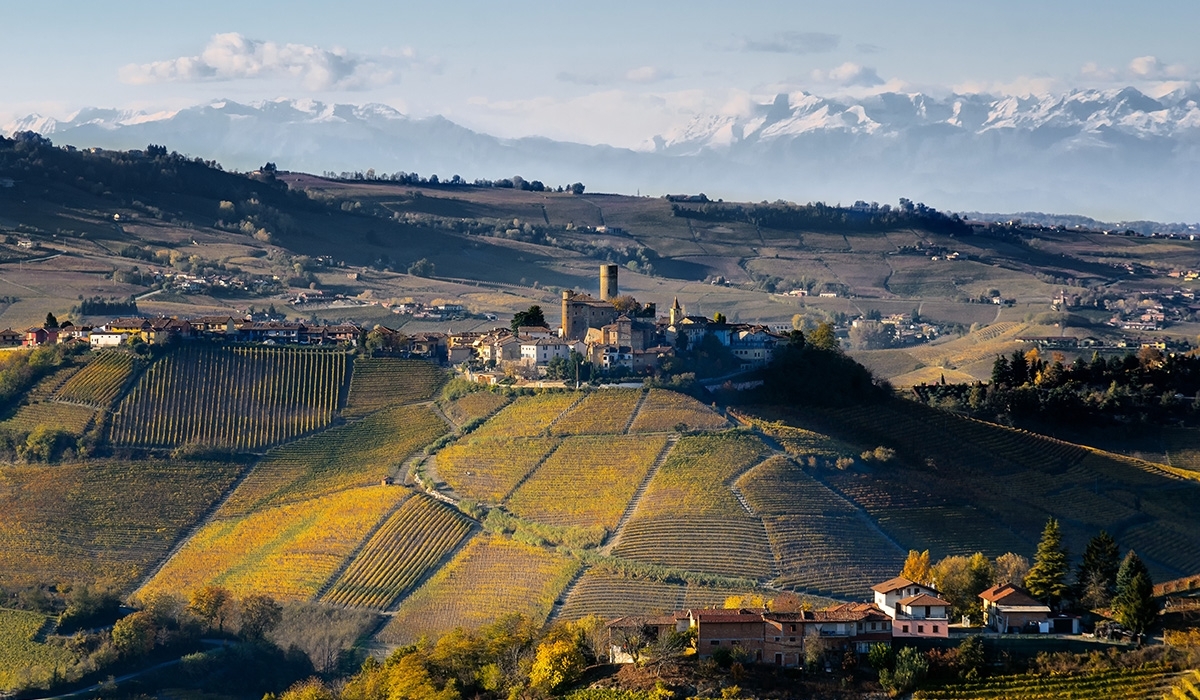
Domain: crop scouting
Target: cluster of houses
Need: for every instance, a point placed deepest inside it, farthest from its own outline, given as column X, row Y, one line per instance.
column 164, row 329
column 900, row 609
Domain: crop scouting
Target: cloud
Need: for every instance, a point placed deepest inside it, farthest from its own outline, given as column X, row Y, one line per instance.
column 232, row 56
column 1021, row 86
column 647, row 74
column 791, row 42
column 849, row 75
column 1141, row 69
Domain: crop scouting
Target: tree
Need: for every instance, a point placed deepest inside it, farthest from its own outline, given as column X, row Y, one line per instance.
column 917, row 568
column 1047, row 580
column 1133, row 605
column 533, row 316
column 911, row 669
column 970, row 658
column 1001, row 372
column 556, row 664
column 824, row 337
column 1097, row 574
column 133, row 635
column 1012, row 568
column 51, row 321
column 421, row 268
column 260, row 614
column 577, row 188
column 212, row 604
column 961, row 579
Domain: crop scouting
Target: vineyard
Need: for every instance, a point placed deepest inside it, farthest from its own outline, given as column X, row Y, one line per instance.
column 700, row 544
column 380, row 382
column 68, row 417
column 488, row 468
column 528, row 416
column 100, row 382
column 588, row 481
column 287, row 552
column 355, row 454
column 609, row 595
column 22, row 657
column 664, row 410
column 693, row 478
column 1182, row 446
column 100, row 521
column 946, row 530
column 1119, row 684
column 473, row 406
column 820, row 542
column 603, row 412
column 410, row 542
column 241, row 398
column 984, row 344
column 491, row 577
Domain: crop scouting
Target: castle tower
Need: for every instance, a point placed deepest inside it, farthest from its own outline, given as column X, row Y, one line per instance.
column 566, row 315
column 676, row 312
column 608, row 282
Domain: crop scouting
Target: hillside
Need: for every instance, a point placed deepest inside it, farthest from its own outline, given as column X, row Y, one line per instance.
column 186, row 238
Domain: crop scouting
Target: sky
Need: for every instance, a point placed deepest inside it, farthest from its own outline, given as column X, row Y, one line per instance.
column 613, row 72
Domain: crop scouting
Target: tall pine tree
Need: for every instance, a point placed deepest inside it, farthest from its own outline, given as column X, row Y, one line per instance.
column 1097, row 574
column 1047, row 580
column 1134, row 605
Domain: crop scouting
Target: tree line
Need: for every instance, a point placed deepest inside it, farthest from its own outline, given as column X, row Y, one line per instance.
column 820, row 216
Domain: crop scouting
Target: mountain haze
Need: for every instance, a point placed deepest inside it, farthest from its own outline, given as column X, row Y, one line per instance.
column 1113, row 154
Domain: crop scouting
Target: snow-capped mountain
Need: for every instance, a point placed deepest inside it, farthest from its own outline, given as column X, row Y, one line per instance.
column 1115, row 154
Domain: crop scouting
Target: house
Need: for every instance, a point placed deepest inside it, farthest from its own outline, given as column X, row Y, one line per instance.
column 40, row 336
column 921, row 615
column 889, row 593
column 214, row 325
column 535, row 332
column 539, row 352
column 1010, row 609
column 428, row 345
column 738, row 630
column 10, row 338
column 107, row 339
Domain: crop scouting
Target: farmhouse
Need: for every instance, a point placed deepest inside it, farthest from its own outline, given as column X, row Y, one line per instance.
column 916, row 610
column 9, row 337
column 1010, row 609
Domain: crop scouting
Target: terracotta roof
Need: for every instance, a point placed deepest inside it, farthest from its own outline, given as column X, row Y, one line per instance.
column 923, row 599
column 850, row 612
column 1007, row 594
column 893, row 585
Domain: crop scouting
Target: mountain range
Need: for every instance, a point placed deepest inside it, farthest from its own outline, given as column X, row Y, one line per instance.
column 1113, row 154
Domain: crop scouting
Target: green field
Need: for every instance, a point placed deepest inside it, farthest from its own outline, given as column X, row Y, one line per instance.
column 22, row 656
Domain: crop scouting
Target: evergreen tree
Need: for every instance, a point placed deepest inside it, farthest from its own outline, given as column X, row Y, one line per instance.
column 533, row 316
column 1001, row 372
column 1097, row 574
column 1047, row 580
column 1019, row 368
column 1134, row 605
column 51, row 321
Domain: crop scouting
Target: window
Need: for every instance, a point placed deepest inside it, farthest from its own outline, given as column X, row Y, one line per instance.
column 716, row 642
column 777, row 639
column 793, row 628
column 791, row 639
column 920, row 629
column 873, row 625
column 905, row 629
column 935, row 629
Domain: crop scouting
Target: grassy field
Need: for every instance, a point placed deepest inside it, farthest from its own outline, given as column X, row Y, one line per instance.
column 377, row 383
column 588, row 481
column 288, row 552
column 492, row 576
column 22, row 656
column 356, row 454
column 242, row 398
column 408, row 544
column 100, row 520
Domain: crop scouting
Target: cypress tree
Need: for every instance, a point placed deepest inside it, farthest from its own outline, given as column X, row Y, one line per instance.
column 1047, row 580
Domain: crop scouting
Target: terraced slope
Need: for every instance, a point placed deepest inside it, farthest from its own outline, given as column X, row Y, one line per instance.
column 379, row 382
column 668, row 410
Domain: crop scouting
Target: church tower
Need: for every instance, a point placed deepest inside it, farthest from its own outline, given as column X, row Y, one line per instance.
column 676, row 312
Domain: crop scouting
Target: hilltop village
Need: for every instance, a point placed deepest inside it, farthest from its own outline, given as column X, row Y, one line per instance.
column 614, row 335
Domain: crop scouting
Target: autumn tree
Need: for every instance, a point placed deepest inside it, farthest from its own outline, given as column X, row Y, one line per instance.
column 1047, row 580
column 556, row 664
column 133, row 635
column 917, row 568
column 824, row 337
column 960, row 580
column 1012, row 568
column 212, row 604
column 259, row 614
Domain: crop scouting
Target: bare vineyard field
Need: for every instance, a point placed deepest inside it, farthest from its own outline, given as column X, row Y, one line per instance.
column 241, row 398
column 100, row 521
column 351, row 455
column 607, row 594
column 379, row 382
column 528, row 416
column 410, row 542
column 100, row 382
column 601, row 412
column 488, row 468
column 492, row 576
column 287, row 552
column 691, row 543
column 68, row 417
column 694, row 477
column 473, row 406
column 588, row 481
column 665, row 410
column 946, row 530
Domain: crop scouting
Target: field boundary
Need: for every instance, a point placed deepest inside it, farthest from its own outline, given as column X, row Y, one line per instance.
column 333, row 577
column 634, row 502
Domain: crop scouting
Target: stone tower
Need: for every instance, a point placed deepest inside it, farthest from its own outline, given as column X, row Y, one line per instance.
column 676, row 312
column 608, row 282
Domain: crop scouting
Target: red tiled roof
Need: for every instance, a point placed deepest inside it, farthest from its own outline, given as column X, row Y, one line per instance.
column 923, row 599
column 1008, row 594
